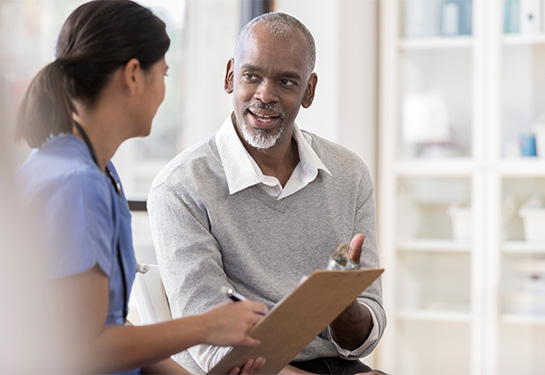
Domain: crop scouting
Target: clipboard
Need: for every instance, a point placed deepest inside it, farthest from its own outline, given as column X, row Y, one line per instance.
column 299, row 318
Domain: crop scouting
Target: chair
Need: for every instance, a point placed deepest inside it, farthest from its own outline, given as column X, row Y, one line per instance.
column 152, row 303
column 150, row 295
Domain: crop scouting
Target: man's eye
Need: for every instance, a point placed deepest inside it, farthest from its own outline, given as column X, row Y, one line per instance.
column 249, row 76
column 287, row 82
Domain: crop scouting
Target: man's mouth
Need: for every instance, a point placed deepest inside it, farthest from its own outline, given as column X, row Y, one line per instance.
column 264, row 115
column 264, row 118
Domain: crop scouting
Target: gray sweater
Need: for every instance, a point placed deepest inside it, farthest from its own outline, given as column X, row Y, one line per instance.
column 261, row 246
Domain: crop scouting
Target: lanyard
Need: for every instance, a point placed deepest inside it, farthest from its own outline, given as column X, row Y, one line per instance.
column 117, row 189
column 95, row 159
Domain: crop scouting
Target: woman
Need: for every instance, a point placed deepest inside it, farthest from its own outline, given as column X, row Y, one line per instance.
column 105, row 87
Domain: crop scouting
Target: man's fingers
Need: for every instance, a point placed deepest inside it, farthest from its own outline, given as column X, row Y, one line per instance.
column 354, row 252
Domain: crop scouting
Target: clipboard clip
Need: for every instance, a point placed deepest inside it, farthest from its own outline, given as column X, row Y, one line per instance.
column 340, row 260
column 142, row 268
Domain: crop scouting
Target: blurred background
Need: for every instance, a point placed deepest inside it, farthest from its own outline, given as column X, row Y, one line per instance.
column 443, row 99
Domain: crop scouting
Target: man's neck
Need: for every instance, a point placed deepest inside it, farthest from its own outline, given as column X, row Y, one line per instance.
column 278, row 161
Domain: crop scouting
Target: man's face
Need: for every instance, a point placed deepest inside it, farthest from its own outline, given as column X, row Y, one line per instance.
column 269, row 81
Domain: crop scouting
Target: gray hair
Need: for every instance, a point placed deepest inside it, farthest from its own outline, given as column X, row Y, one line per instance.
column 282, row 24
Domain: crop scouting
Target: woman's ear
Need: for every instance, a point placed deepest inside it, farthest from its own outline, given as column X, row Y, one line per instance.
column 229, row 76
column 132, row 76
column 308, row 98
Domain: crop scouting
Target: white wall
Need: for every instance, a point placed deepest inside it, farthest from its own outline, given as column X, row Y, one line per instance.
column 210, row 37
column 344, row 109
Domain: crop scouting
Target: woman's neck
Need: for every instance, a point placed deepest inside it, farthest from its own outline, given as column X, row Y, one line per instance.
column 102, row 138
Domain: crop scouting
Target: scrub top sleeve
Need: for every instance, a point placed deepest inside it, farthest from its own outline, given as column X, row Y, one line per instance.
column 80, row 227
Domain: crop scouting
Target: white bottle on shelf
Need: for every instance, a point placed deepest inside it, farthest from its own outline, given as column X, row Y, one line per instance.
column 450, row 18
column 421, row 18
column 530, row 16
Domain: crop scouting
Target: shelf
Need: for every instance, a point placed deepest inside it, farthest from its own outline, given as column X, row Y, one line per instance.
column 523, row 319
column 464, row 167
column 472, row 291
column 432, row 245
column 448, row 167
column 523, row 40
column 433, row 43
column 523, row 247
column 426, row 315
column 522, row 167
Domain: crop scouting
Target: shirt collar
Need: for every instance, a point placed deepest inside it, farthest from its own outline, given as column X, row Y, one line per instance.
column 242, row 171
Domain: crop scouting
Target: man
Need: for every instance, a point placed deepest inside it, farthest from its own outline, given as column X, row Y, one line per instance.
column 262, row 203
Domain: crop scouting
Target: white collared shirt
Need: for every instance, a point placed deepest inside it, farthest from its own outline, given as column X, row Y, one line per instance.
column 242, row 172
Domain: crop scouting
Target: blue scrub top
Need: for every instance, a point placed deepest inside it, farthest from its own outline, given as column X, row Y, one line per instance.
column 81, row 215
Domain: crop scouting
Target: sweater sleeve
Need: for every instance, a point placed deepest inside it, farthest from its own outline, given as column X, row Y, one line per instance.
column 190, row 260
column 365, row 222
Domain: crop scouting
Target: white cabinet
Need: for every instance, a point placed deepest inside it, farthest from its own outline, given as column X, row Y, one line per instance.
column 461, row 85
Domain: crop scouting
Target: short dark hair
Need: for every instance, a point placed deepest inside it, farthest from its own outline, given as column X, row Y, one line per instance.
column 282, row 24
column 96, row 39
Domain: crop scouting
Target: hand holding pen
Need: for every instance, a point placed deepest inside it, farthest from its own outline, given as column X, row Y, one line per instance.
column 234, row 295
column 230, row 323
column 251, row 366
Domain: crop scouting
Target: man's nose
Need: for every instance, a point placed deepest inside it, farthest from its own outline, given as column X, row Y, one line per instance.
column 266, row 92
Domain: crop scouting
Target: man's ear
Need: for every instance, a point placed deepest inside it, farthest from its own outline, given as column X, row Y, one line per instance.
column 229, row 76
column 308, row 98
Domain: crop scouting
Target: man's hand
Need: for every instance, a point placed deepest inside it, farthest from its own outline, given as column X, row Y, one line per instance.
column 352, row 327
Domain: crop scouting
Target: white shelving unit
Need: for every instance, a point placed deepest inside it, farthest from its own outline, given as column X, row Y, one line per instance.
column 464, row 294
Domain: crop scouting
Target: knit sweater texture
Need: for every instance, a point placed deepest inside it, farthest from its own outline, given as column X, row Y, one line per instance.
column 260, row 246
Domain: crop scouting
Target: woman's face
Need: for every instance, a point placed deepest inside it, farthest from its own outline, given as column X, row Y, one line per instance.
column 154, row 92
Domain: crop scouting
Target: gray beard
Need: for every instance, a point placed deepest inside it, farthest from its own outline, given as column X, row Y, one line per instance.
column 261, row 139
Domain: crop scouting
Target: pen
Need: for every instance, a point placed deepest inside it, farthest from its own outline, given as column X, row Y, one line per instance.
column 230, row 293
column 234, row 295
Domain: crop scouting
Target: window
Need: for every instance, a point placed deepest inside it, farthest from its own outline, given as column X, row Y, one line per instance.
column 203, row 35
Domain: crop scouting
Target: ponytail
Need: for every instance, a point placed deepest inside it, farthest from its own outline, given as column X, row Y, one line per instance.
column 46, row 108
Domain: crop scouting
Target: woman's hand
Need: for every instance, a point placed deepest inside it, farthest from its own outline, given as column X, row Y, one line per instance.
column 230, row 323
column 250, row 367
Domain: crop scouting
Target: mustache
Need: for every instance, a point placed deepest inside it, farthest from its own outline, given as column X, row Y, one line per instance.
column 265, row 106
